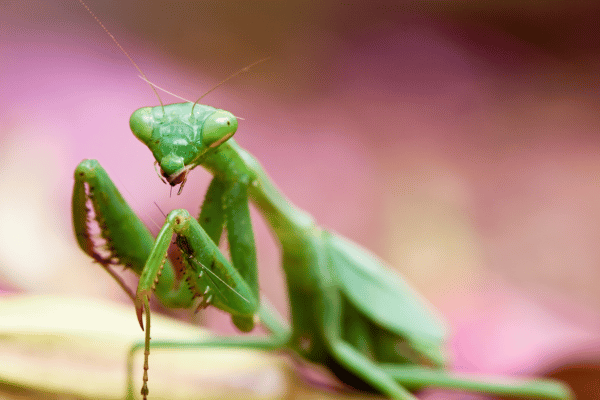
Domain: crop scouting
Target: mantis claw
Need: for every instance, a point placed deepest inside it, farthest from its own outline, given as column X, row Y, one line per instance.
column 141, row 300
column 139, row 311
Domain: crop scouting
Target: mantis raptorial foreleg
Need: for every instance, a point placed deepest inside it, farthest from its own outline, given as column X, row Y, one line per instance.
column 207, row 273
column 121, row 238
column 108, row 230
column 211, row 216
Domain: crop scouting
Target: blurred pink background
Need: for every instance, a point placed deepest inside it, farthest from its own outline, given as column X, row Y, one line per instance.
column 458, row 141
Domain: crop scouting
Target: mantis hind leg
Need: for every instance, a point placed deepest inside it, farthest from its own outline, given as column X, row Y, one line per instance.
column 354, row 362
column 399, row 363
column 374, row 342
column 361, row 335
column 350, row 358
column 418, row 377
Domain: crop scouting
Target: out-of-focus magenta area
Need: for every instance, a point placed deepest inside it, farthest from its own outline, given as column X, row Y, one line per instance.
column 459, row 142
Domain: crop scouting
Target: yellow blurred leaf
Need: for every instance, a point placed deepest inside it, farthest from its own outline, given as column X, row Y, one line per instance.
column 60, row 347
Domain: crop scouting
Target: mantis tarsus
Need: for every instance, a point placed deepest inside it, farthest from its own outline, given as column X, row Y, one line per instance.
column 348, row 311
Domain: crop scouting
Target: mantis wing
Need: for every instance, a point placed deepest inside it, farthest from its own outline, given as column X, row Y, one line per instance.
column 382, row 295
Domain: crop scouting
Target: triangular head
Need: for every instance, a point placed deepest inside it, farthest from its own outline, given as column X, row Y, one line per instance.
column 181, row 135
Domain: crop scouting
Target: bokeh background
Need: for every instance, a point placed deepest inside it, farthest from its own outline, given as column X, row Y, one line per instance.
column 459, row 141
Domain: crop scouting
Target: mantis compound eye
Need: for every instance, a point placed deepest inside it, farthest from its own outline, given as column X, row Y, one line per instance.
column 141, row 124
column 218, row 127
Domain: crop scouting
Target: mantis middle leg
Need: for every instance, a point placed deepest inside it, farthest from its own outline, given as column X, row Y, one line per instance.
column 268, row 316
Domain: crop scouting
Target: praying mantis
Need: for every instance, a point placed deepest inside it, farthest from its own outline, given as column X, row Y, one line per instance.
column 349, row 312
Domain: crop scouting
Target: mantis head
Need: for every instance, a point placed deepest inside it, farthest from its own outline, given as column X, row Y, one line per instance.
column 181, row 135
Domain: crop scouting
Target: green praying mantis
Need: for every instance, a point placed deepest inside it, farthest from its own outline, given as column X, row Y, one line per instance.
column 349, row 312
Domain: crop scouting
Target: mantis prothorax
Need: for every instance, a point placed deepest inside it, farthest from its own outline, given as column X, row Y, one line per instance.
column 349, row 312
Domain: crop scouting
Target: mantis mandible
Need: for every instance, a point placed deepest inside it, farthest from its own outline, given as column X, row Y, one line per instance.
column 349, row 312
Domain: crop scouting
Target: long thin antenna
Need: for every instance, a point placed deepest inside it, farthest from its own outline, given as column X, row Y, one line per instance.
column 163, row 90
column 122, row 50
column 245, row 69
column 159, row 209
column 176, row 96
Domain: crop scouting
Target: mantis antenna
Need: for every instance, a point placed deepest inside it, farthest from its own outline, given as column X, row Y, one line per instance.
column 163, row 90
column 122, row 50
column 159, row 209
column 174, row 95
column 245, row 69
